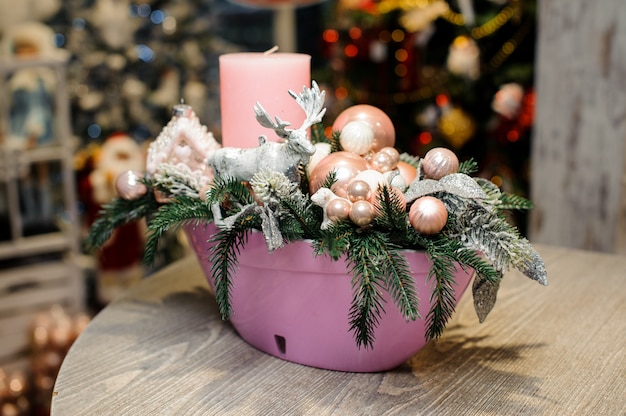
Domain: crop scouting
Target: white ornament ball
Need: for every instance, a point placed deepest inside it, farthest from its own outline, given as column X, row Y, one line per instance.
column 395, row 179
column 321, row 151
column 356, row 137
column 428, row 215
column 439, row 162
column 128, row 185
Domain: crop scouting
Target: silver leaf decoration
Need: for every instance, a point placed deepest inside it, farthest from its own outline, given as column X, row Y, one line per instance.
column 271, row 229
column 457, row 184
column 485, row 292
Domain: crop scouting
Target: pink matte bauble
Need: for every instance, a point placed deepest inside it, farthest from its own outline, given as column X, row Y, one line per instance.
column 346, row 166
column 428, row 215
column 359, row 190
column 338, row 209
column 384, row 131
column 362, row 213
column 439, row 162
column 128, row 185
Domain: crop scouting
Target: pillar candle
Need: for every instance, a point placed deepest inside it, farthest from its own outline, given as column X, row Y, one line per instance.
column 246, row 78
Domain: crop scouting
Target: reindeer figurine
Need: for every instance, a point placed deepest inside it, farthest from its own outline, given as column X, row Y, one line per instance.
column 282, row 156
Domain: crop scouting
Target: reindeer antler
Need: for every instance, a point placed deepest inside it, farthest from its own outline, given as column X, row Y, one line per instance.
column 265, row 120
column 311, row 100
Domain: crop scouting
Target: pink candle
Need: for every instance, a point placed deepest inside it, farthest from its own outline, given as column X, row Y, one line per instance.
column 246, row 78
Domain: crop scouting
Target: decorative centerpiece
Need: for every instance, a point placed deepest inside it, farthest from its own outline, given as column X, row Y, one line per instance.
column 336, row 252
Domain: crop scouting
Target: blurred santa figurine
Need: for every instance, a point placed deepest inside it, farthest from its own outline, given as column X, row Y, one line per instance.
column 119, row 263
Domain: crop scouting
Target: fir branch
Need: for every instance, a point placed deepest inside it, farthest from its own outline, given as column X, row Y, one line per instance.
column 116, row 213
column 468, row 167
column 182, row 210
column 334, row 241
column 335, row 144
column 303, row 212
column 329, row 180
column 228, row 189
column 486, row 231
column 390, row 209
column 224, row 259
column 410, row 159
column 514, row 202
column 400, row 283
column 366, row 307
column 442, row 272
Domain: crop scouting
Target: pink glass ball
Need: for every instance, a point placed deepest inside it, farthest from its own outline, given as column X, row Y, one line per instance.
column 428, row 215
column 381, row 124
column 362, row 213
column 346, row 166
column 338, row 209
column 439, row 162
column 128, row 185
column 359, row 190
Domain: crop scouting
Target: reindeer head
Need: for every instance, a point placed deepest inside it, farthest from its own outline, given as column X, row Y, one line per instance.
column 311, row 100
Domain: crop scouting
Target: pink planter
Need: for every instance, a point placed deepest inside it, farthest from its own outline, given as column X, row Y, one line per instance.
column 295, row 306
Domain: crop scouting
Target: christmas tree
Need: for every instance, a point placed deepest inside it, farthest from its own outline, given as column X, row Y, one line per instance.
column 457, row 74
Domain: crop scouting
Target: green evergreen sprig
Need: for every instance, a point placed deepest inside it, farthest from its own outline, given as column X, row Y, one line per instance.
column 182, row 210
column 115, row 214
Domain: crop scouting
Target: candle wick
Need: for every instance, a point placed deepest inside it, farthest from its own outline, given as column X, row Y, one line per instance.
column 270, row 51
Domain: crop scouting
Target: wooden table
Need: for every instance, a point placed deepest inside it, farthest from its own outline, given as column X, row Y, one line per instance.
column 556, row 350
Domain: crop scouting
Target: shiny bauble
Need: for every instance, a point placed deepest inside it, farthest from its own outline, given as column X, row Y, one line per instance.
column 359, row 190
column 338, row 209
column 321, row 151
column 373, row 178
column 393, row 154
column 407, row 171
column 129, row 186
column 428, row 215
column 356, row 137
column 439, row 162
column 362, row 213
column 382, row 162
column 346, row 166
column 381, row 124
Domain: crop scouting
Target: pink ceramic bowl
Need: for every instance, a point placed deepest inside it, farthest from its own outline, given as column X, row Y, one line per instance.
column 295, row 306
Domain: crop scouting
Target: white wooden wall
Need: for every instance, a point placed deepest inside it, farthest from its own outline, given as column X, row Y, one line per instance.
column 579, row 151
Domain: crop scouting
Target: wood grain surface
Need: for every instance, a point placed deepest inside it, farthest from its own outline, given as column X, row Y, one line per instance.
column 555, row 350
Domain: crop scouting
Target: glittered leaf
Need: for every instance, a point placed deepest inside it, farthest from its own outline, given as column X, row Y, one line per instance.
column 485, row 292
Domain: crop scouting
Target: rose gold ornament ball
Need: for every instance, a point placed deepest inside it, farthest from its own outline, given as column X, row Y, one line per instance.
column 338, row 209
column 408, row 171
column 128, row 185
column 428, row 215
column 382, row 162
column 346, row 166
column 361, row 213
column 439, row 162
column 359, row 190
column 381, row 124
